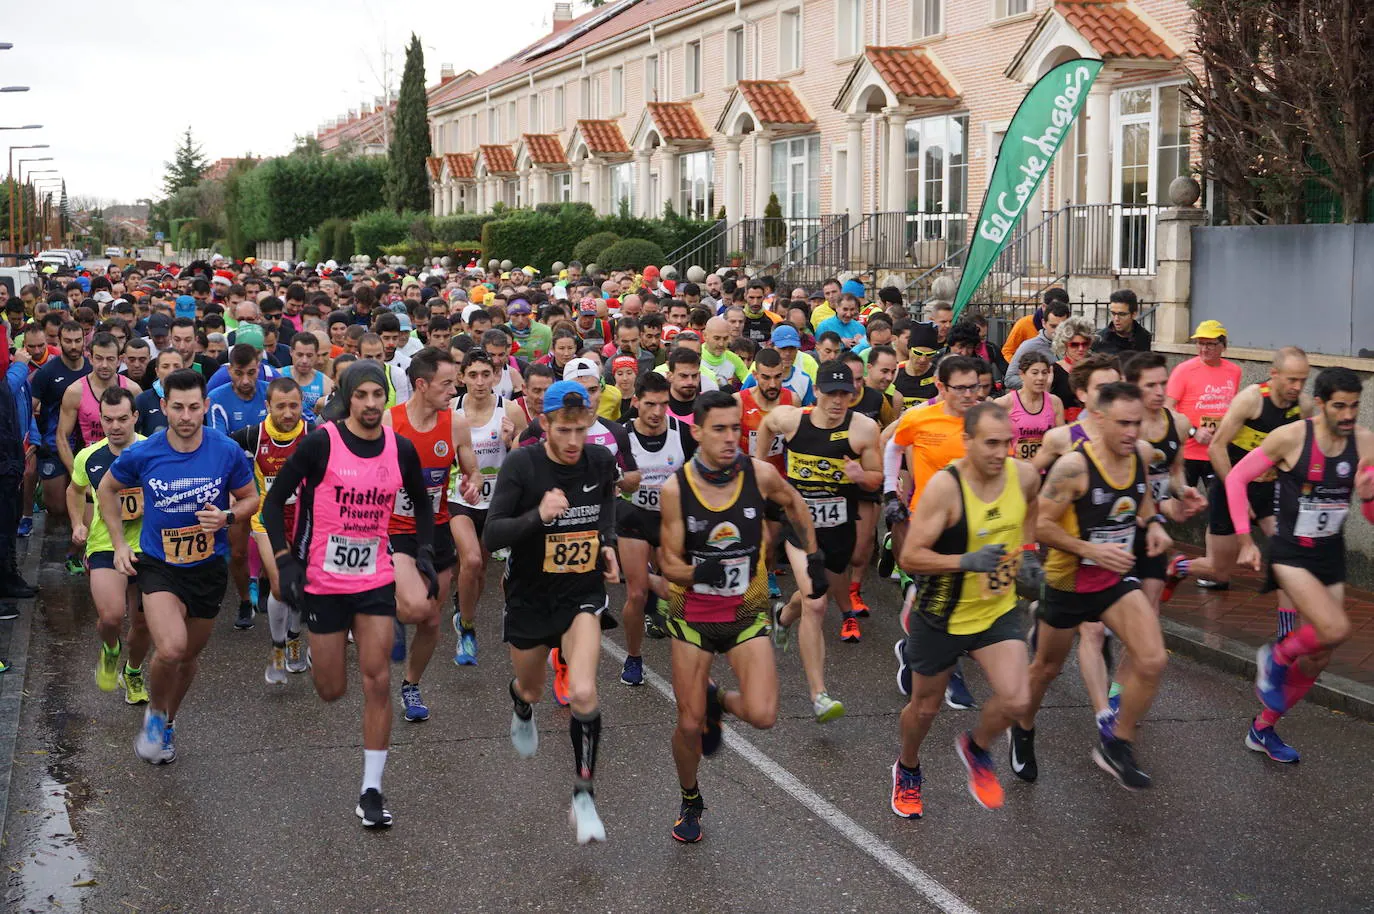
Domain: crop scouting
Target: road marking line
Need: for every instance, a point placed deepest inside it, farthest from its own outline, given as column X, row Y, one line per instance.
column 853, row 832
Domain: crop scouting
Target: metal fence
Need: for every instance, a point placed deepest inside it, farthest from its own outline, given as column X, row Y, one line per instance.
column 1002, row 315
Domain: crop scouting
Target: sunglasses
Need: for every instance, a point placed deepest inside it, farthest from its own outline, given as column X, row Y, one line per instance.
column 1080, row 345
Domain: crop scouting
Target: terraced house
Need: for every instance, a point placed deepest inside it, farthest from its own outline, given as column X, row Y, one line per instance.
column 874, row 122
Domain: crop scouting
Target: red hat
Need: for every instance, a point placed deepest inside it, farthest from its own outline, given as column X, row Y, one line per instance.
column 670, row 285
column 650, row 272
column 670, row 332
column 223, row 277
column 625, row 361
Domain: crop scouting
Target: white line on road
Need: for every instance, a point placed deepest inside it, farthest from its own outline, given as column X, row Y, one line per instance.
column 853, row 832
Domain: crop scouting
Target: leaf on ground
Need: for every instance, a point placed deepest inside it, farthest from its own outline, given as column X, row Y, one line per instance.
column 84, row 884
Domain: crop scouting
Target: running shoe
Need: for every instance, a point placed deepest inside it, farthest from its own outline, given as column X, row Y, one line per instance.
column 903, row 671
column 782, row 634
column 583, row 816
column 1023, row 754
column 75, row 566
column 560, row 678
column 856, row 600
column 414, row 705
column 826, row 708
column 107, row 668
column 398, row 644
column 887, row 562
column 982, row 779
column 152, row 743
column 710, row 739
column 1117, row 758
column 135, row 687
column 1106, row 724
column 26, row 526
column 276, row 667
column 774, row 593
column 500, row 555
column 8, row 611
column 1174, row 574
column 466, row 655
column 687, row 828
column 957, row 695
column 372, row 809
column 1218, row 586
column 632, row 674
column 169, row 742
column 849, row 630
column 655, row 619
column 906, row 792
column 1267, row 741
column 1270, row 678
column 297, row 657
column 245, row 617
column 524, row 736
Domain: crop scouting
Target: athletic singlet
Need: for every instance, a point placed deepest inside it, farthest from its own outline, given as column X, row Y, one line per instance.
column 915, row 389
column 505, row 387
column 734, row 535
column 310, row 394
column 870, row 404
column 1104, row 513
column 815, row 467
column 351, row 507
column 270, row 453
column 88, row 428
column 1253, row 431
column 657, row 464
column 1030, row 427
column 490, row 451
column 1312, row 500
column 1165, row 450
column 1077, row 433
column 966, row 602
column 88, row 469
column 600, row 434
column 435, row 448
column 751, row 417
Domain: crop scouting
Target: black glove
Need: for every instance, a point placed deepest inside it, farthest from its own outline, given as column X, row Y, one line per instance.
column 291, row 579
column 709, row 572
column 983, row 561
column 1031, row 576
column 894, row 510
column 424, row 563
column 815, row 570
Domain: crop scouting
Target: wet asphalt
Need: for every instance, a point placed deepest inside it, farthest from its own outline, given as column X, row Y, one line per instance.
column 257, row 812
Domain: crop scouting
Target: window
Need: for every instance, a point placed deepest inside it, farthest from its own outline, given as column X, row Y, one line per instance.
column 617, row 90
column 622, row 186
column 651, row 78
column 797, row 177
column 585, row 90
column 512, row 122
column 472, row 128
column 937, row 164
column 557, row 108
column 696, row 198
column 493, row 125
column 1174, row 137
column 1005, row 8
column 790, row 41
column 734, row 55
column 691, row 74
column 536, row 119
column 850, row 28
column 928, row 18
column 562, row 187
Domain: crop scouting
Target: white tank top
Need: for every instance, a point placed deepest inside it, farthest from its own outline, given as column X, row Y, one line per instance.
column 490, row 451
column 505, row 387
column 655, row 466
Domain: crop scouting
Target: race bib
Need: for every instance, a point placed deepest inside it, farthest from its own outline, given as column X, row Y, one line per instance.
column 351, row 555
column 267, row 482
column 406, row 508
column 187, row 545
column 1318, row 519
column 1123, row 537
column 828, row 512
column 774, row 449
column 1159, row 488
column 571, row 553
column 1027, row 448
column 1002, row 579
column 736, row 579
column 1209, row 422
column 130, row 503
column 646, row 497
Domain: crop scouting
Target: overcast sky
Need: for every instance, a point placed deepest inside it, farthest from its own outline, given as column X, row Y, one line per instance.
column 116, row 84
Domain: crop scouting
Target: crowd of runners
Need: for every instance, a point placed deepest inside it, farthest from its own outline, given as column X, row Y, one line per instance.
column 353, row 450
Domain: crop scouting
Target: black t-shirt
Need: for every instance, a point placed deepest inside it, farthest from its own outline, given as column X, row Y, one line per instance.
column 1062, row 389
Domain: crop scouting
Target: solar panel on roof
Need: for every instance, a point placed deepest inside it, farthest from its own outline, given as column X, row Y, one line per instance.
column 579, row 29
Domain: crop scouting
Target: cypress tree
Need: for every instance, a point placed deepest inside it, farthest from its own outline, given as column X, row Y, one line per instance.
column 407, row 185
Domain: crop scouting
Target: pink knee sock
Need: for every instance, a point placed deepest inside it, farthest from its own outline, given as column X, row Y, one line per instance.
column 1299, row 644
column 1267, row 718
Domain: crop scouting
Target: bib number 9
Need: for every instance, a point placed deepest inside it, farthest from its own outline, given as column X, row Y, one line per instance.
column 351, row 555
column 1320, row 519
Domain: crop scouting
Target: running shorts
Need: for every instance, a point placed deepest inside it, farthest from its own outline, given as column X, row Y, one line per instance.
column 1261, row 495
column 445, row 552
column 637, row 524
column 1148, row 567
column 719, row 637
column 328, row 614
column 930, row 651
column 526, row 626
column 200, row 588
column 105, row 560
column 838, row 544
column 1070, row 609
column 1325, row 562
column 478, row 516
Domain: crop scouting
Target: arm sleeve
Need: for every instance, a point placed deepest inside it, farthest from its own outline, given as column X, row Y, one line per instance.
column 1250, row 468
column 504, row 528
column 306, row 462
column 892, row 465
column 606, row 521
column 413, row 480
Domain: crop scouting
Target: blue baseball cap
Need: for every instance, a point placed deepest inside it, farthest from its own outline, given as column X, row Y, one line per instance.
column 785, row 336
column 853, row 287
column 556, row 397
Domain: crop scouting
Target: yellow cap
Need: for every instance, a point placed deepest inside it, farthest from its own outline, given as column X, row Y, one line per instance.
column 1209, row 330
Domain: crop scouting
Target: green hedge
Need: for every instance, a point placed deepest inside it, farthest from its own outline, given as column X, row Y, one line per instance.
column 538, row 239
column 374, row 230
column 450, row 229
column 287, row 197
column 631, row 254
column 343, row 240
column 589, row 249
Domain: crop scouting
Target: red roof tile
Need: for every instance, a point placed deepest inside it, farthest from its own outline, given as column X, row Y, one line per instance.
column 436, row 165
column 603, row 137
column 677, row 121
column 910, row 72
column 774, row 102
column 460, row 165
column 499, row 159
column 545, row 149
column 1114, row 29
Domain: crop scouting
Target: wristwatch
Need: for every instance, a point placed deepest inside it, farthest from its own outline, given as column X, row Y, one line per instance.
column 228, row 518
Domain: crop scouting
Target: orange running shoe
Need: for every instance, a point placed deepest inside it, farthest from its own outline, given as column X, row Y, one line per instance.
column 982, row 779
column 560, row 677
column 906, row 792
column 849, row 631
column 856, row 599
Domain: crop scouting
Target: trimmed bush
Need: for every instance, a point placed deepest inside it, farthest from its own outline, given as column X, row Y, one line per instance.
column 374, row 230
column 343, row 240
column 589, row 249
column 450, row 229
column 630, row 254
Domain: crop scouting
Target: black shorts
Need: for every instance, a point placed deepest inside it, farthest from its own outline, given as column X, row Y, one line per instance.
column 1325, row 562
column 1070, row 609
column 930, row 651
column 50, row 466
column 633, row 522
column 525, row 626
column 1148, row 567
column 838, row 544
column 328, row 614
column 445, row 552
column 105, row 560
column 1197, row 471
column 719, row 637
column 875, row 496
column 478, row 516
column 200, row 588
column 1261, row 495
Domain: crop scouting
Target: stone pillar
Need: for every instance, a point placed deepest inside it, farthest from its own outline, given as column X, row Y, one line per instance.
column 643, row 206
column 667, row 178
column 1099, row 127
column 577, row 183
column 854, row 168
column 594, row 186
column 1174, row 255
column 732, row 188
column 896, row 161
column 763, row 171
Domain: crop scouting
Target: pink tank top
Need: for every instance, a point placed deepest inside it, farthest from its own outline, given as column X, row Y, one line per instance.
column 352, row 506
column 1030, row 427
column 88, row 413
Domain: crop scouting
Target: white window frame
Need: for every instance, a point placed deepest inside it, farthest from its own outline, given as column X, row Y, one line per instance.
column 1010, row 9
column 684, row 193
column 584, row 86
column 617, row 91
column 513, row 116
column 791, row 54
column 922, row 11
column 559, row 111
column 849, row 29
column 691, row 68
column 651, row 78
column 613, row 173
column 1119, row 121
column 536, row 114
column 562, row 187
column 735, row 55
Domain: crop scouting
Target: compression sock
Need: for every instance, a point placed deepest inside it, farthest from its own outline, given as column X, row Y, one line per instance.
column 293, row 623
column 1288, row 621
column 1300, row 643
column 1266, row 718
column 374, row 763
column 1115, row 689
column 523, row 709
column 277, row 612
column 692, row 796
column 585, row 731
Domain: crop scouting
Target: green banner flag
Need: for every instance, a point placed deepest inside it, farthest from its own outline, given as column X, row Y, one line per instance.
column 1038, row 129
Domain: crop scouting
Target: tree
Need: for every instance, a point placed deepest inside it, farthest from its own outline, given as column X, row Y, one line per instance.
column 185, row 168
column 65, row 211
column 305, row 146
column 407, row 184
column 1287, row 104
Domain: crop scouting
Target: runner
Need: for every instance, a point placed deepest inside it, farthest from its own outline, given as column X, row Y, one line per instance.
column 554, row 508
column 114, row 595
column 440, row 437
column 49, row 386
column 1202, row 389
column 1088, row 377
column 80, row 418
column 915, row 378
column 661, row 446
column 768, row 391
column 1033, row 409
column 973, row 531
column 713, row 553
column 494, row 424
column 189, row 472
column 831, row 454
column 1321, row 463
column 316, row 389
column 337, row 570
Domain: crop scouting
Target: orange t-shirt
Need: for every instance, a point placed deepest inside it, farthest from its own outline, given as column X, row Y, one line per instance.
column 933, row 439
column 1021, row 331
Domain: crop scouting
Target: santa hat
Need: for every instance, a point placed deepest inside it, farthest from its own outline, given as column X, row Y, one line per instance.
column 222, row 278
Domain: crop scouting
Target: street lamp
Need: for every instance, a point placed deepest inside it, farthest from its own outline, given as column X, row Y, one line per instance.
column 14, row 88
column 23, row 223
column 43, row 190
column 11, row 176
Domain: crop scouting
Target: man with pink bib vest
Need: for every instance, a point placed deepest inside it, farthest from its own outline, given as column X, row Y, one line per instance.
column 338, row 570
column 80, row 415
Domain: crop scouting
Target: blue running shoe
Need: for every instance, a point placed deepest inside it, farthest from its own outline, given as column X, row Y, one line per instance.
column 414, row 705
column 1114, row 703
column 1270, row 677
column 774, row 591
column 467, row 648
column 26, row 526
column 957, row 695
column 633, row 672
column 398, row 647
column 1268, row 742
column 152, row 740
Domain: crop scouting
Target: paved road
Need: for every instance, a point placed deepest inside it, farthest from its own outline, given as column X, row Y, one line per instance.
column 256, row 814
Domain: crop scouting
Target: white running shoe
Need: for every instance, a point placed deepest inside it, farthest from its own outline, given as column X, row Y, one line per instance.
column 524, row 736
column 276, row 668
column 583, row 815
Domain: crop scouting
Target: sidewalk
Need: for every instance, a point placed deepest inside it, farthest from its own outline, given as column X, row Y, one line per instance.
column 14, row 650
column 1224, row 629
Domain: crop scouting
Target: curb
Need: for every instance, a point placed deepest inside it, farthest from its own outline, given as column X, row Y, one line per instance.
column 12, row 683
column 1236, row 657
